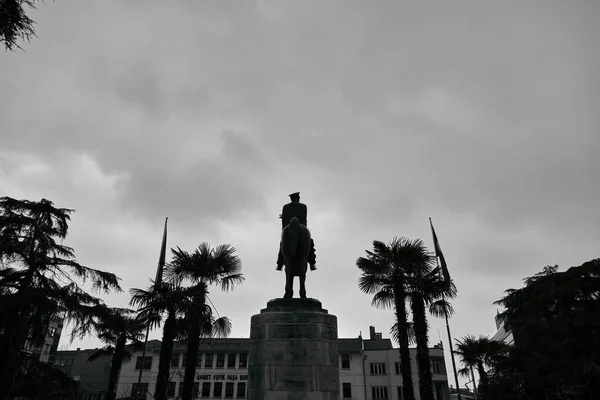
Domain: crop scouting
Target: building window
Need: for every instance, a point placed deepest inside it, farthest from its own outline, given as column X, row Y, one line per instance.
column 220, row 360
column 243, row 360
column 218, row 390
column 46, row 349
column 171, row 388
column 175, row 360
column 397, row 366
column 183, row 360
column 377, row 368
column 196, row 389
column 346, row 361
column 241, row 390
column 70, row 361
column 51, row 332
column 208, row 360
column 231, row 361
column 138, row 363
column 400, row 392
column 143, row 392
column 206, row 389
column 229, row 390
column 346, row 390
column 439, row 391
column 379, row 392
column 436, row 367
column 199, row 361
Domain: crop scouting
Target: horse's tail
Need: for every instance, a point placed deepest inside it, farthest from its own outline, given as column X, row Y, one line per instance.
column 294, row 233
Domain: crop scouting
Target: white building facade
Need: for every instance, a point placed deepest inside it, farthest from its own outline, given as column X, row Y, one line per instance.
column 221, row 370
column 369, row 370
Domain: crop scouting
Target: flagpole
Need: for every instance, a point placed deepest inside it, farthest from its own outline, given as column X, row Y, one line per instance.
column 157, row 281
column 436, row 244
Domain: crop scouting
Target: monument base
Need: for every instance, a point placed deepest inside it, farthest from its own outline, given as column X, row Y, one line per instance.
column 293, row 352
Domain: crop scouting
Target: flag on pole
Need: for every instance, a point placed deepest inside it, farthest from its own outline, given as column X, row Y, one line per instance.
column 161, row 258
column 439, row 254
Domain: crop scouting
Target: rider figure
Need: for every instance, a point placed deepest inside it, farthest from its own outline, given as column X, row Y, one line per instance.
column 295, row 209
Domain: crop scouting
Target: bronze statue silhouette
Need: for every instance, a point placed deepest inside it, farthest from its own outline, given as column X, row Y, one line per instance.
column 295, row 250
column 296, row 209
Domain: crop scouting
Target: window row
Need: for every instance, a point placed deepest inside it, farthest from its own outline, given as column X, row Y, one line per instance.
column 377, row 392
column 63, row 361
column 381, row 392
column 229, row 390
column 437, row 367
column 204, row 360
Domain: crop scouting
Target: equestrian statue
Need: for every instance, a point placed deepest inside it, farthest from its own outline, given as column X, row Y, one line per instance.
column 296, row 249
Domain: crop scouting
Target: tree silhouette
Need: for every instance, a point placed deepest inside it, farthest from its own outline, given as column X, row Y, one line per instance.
column 15, row 24
column 385, row 273
column 555, row 321
column 115, row 328
column 204, row 267
column 39, row 281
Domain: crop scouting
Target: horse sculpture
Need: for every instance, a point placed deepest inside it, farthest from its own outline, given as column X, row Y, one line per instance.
column 295, row 248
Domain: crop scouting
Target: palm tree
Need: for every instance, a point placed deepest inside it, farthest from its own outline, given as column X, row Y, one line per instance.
column 204, row 267
column 160, row 300
column 427, row 288
column 385, row 275
column 39, row 280
column 172, row 302
column 115, row 328
column 478, row 353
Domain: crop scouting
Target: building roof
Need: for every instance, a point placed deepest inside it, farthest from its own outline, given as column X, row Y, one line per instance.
column 378, row 344
column 350, row 345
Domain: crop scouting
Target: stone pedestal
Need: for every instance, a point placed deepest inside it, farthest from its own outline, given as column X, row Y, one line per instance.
column 293, row 352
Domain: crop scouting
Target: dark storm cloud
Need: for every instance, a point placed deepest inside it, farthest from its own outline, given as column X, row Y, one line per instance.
column 210, row 188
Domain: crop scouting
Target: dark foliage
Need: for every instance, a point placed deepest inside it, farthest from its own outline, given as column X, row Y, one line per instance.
column 40, row 281
column 15, row 24
column 39, row 381
column 479, row 353
column 555, row 321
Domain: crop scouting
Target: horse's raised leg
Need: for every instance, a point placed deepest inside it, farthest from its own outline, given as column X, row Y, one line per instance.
column 289, row 285
column 302, row 287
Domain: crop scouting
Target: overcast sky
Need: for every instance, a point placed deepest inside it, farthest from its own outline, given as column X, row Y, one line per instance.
column 481, row 115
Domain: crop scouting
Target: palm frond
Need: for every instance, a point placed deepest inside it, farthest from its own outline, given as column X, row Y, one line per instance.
column 371, row 284
column 465, row 372
column 410, row 331
column 221, row 327
column 373, row 265
column 383, row 299
column 441, row 308
column 127, row 356
column 105, row 351
column 228, row 282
